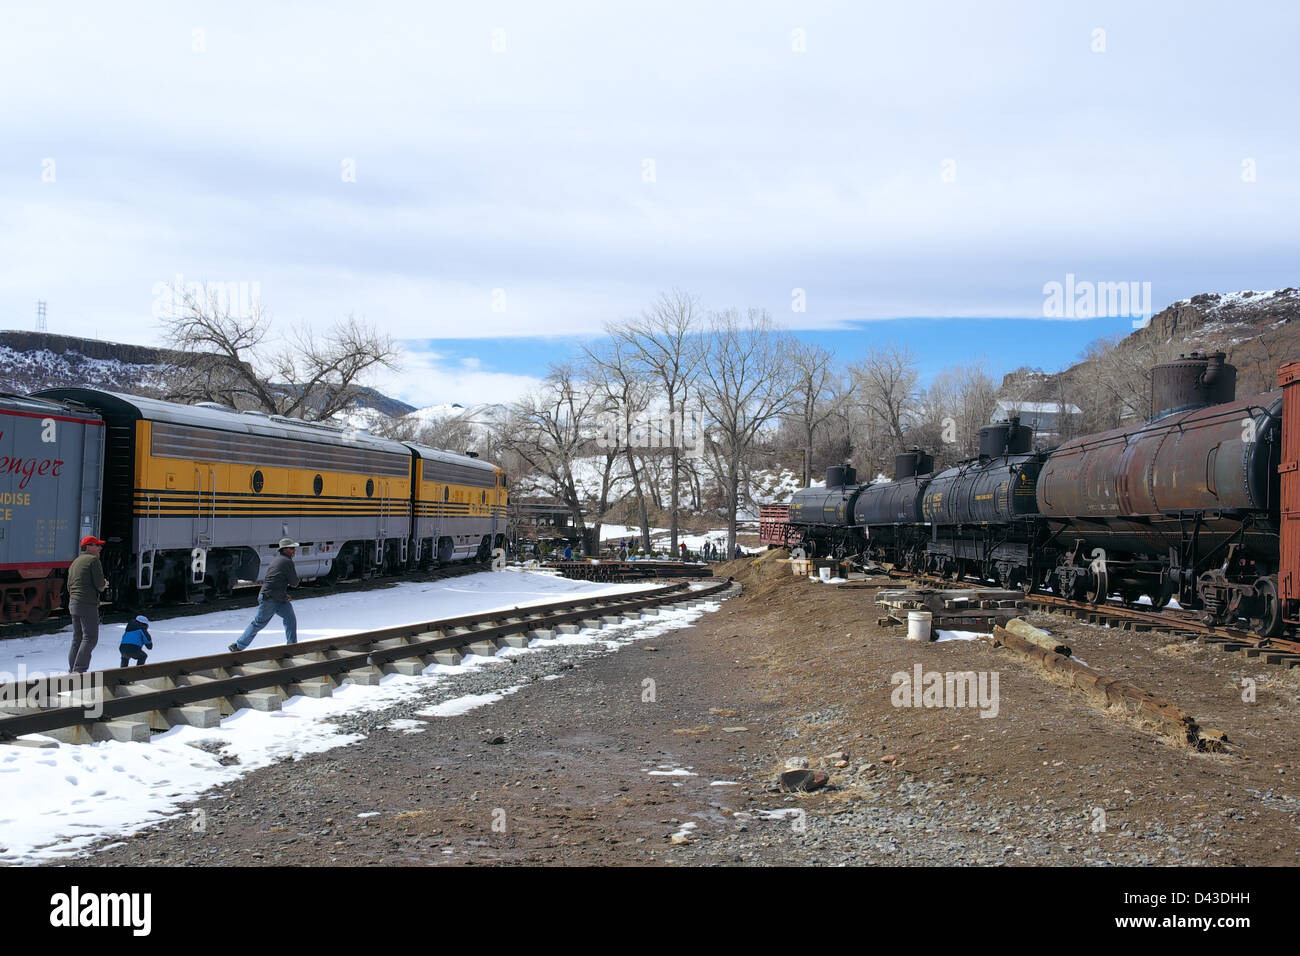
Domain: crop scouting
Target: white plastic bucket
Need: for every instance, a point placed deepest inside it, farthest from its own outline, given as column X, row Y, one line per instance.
column 825, row 573
column 918, row 625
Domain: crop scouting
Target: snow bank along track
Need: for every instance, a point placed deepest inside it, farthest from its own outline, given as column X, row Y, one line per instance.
column 243, row 597
column 199, row 691
column 1270, row 650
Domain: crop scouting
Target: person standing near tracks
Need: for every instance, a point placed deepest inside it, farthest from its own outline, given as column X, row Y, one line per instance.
column 274, row 598
column 85, row 582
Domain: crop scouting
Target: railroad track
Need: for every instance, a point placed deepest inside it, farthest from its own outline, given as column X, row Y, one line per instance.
column 199, row 691
column 1279, row 651
column 629, row 570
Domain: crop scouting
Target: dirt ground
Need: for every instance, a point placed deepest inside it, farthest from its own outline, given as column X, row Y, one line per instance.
column 667, row 752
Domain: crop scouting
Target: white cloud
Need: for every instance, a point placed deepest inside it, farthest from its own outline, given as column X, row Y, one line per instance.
column 428, row 378
column 523, row 172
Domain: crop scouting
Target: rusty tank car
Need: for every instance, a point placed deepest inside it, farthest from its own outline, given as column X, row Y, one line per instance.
column 1184, row 505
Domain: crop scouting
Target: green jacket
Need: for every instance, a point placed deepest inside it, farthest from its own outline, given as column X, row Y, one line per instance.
column 86, row 579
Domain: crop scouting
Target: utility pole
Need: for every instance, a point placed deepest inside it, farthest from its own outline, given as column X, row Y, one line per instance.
column 40, row 315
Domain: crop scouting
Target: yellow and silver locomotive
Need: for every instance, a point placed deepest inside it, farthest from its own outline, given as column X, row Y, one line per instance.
column 196, row 497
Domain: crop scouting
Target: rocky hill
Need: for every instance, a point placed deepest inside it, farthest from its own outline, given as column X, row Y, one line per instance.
column 34, row 360
column 1259, row 331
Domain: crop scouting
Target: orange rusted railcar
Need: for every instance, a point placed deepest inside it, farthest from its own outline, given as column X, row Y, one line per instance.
column 1288, row 574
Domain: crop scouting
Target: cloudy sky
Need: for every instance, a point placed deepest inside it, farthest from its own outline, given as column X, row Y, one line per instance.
column 491, row 182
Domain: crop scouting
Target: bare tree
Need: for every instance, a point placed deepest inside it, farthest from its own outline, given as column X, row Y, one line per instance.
column 626, row 396
column 814, row 397
column 550, row 430
column 959, row 402
column 232, row 359
column 661, row 342
column 744, row 391
column 885, row 384
column 450, row 432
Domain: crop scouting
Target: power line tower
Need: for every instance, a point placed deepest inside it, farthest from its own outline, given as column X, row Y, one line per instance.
column 40, row 315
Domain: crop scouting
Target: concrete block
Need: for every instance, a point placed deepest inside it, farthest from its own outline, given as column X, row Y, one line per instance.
column 136, row 731
column 541, row 634
column 567, row 629
column 255, row 667
column 258, row 700
column 410, row 668
column 76, row 734
column 593, row 623
column 316, row 688
column 613, row 619
column 312, row 658
column 123, row 730
column 483, row 648
column 368, row 676
column 190, row 716
column 515, row 640
column 151, row 685
column 449, row 656
column 39, row 744
column 649, row 613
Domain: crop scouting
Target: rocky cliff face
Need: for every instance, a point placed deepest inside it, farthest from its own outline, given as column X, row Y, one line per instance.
column 1259, row 331
column 30, row 361
column 1221, row 320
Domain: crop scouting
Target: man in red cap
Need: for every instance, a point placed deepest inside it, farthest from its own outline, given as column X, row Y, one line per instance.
column 85, row 581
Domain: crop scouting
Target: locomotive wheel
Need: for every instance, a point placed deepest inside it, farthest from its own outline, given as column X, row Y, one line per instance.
column 1034, row 580
column 1098, row 588
column 1163, row 594
column 1269, row 621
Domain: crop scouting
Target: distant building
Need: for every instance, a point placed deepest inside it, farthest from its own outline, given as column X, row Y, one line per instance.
column 1045, row 418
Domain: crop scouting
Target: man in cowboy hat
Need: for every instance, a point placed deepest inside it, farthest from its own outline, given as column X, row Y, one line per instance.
column 85, row 581
column 274, row 598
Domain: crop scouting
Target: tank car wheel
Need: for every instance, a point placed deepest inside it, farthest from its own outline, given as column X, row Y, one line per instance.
column 1034, row 580
column 1163, row 595
column 1269, row 621
column 1098, row 588
column 36, row 614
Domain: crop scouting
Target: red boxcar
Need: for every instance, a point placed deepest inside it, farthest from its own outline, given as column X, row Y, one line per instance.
column 1288, row 572
column 774, row 528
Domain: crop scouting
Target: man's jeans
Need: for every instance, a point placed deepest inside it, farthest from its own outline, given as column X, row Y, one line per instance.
column 268, row 608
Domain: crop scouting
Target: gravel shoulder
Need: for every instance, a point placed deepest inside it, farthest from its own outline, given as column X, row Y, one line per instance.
column 666, row 752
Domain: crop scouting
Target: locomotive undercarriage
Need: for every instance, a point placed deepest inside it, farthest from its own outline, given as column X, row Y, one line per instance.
column 1223, row 581
column 986, row 553
column 842, row 544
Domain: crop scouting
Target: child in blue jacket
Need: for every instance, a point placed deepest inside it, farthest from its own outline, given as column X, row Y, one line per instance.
column 134, row 640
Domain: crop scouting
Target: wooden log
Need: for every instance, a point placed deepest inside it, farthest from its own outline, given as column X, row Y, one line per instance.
column 1022, row 628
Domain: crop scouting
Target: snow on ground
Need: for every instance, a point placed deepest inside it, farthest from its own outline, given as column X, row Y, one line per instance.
column 55, row 802
column 660, row 537
column 328, row 616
